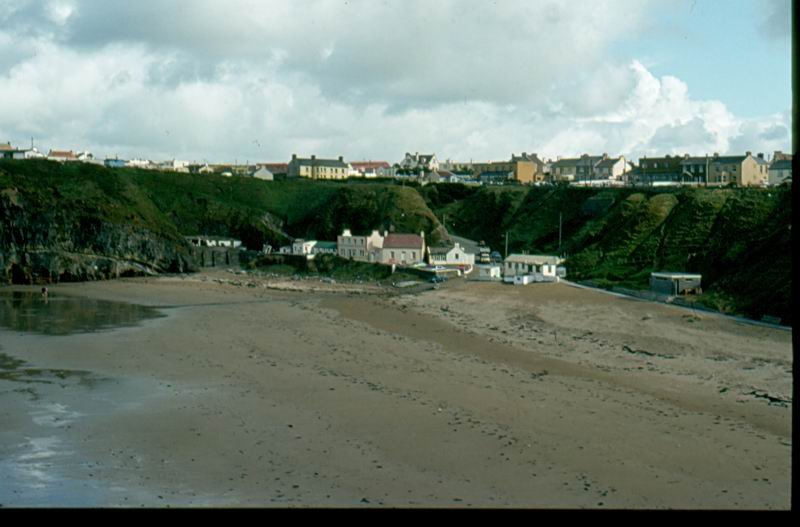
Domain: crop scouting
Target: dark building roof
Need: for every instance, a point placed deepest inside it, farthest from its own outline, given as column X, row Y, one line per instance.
column 609, row 163
column 728, row 159
column 331, row 163
column 441, row 249
column 781, row 164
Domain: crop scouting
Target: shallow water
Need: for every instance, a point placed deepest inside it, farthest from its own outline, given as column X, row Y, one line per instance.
column 65, row 315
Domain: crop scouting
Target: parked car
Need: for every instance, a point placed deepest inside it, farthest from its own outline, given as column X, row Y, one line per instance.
column 496, row 257
column 438, row 279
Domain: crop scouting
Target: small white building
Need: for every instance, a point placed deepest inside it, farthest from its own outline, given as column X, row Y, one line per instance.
column 264, row 174
column 303, row 247
column 527, row 268
column 780, row 171
column 450, row 255
column 30, row 153
column 489, row 273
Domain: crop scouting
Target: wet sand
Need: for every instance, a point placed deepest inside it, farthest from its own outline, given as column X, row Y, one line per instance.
column 474, row 395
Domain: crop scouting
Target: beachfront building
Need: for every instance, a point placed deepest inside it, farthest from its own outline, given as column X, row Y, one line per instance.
column 403, row 249
column 527, row 268
column 674, row 284
column 360, row 248
column 488, row 273
column 302, row 247
column 454, row 255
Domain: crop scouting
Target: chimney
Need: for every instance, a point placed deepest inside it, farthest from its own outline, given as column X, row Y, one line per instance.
column 341, row 158
column 294, row 157
column 749, row 153
column 313, row 157
column 761, row 155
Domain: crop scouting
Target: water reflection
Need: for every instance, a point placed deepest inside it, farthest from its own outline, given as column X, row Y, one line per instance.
column 63, row 315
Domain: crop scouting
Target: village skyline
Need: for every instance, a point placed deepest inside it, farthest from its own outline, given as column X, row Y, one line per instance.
column 259, row 82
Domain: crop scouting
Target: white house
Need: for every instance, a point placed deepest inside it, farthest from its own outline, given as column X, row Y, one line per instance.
column 453, row 255
column 780, row 171
column 303, row 247
column 175, row 166
column 526, row 268
column 140, row 163
column 264, row 174
column 360, row 248
column 417, row 161
column 489, row 273
column 30, row 153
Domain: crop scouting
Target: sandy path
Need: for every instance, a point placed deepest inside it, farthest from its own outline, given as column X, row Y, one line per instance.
column 473, row 395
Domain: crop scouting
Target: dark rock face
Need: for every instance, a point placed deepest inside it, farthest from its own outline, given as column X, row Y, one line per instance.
column 43, row 245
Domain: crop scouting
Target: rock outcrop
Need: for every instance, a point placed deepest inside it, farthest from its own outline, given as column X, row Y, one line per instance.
column 41, row 244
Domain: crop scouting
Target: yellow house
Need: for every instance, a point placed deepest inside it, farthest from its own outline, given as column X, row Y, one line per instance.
column 524, row 169
column 314, row 168
column 743, row 171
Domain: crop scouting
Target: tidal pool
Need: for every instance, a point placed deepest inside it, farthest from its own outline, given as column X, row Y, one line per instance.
column 65, row 315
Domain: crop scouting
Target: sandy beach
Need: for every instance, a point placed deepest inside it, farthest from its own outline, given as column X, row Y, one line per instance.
column 281, row 393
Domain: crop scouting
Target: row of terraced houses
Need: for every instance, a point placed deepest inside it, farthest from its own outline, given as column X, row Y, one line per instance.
column 585, row 170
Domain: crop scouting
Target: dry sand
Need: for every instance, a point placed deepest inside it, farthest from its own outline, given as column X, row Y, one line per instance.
column 474, row 395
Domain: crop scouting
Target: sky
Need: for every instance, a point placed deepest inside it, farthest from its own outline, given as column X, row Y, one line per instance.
column 259, row 80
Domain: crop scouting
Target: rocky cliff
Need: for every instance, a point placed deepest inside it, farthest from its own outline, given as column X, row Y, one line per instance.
column 43, row 242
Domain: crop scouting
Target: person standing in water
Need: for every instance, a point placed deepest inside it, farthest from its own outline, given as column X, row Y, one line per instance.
column 44, row 294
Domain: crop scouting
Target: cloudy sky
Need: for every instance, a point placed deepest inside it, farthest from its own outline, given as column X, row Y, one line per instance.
column 258, row 80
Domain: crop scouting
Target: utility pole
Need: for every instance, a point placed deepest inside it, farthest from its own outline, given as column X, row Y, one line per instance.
column 559, row 232
column 506, row 244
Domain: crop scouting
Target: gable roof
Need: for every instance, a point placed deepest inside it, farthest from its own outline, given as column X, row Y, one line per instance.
column 781, row 164
column 369, row 165
column 403, row 241
column 728, row 159
column 7, row 147
column 566, row 162
column 609, row 163
column 275, row 168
